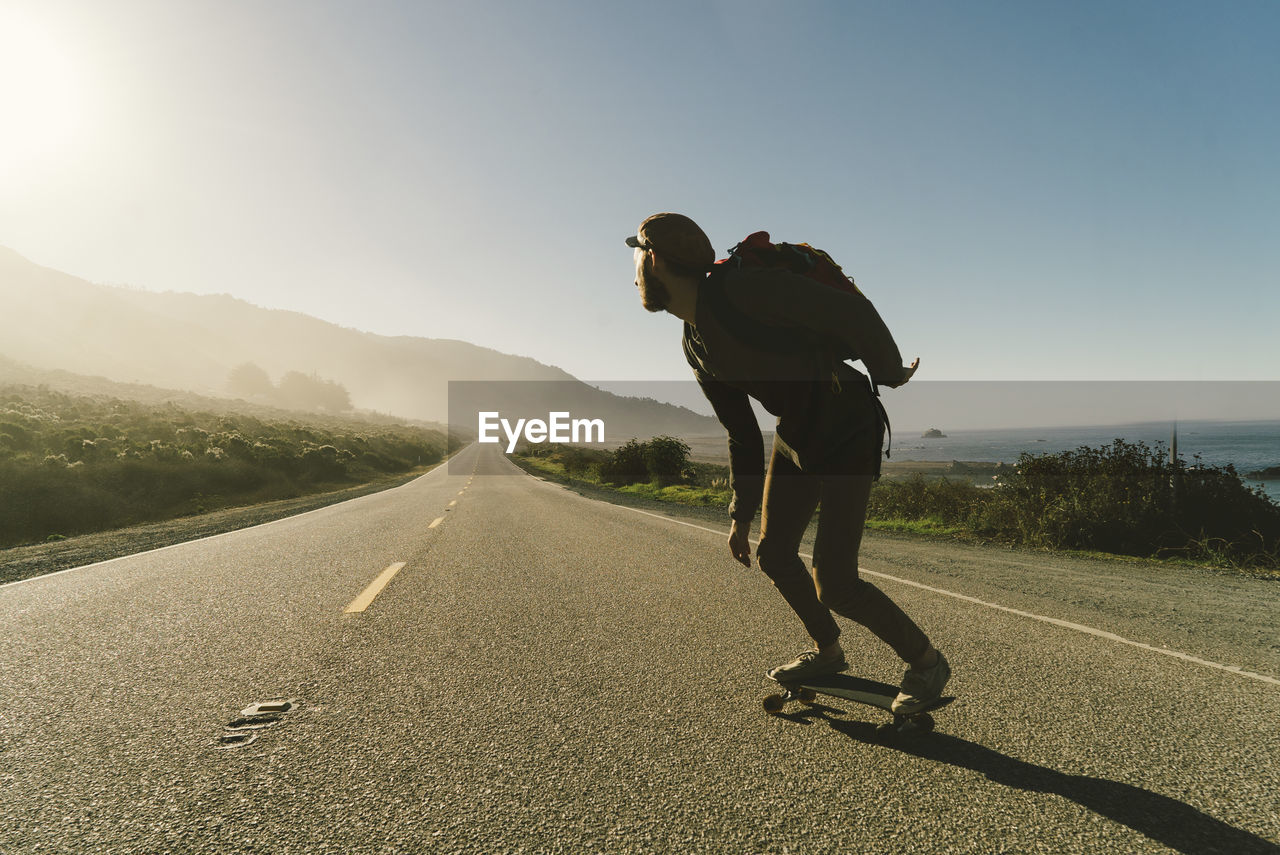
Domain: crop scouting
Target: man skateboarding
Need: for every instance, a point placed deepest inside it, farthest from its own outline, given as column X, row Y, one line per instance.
column 781, row 338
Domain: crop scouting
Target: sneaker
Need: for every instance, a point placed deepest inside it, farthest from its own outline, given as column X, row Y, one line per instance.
column 923, row 687
column 809, row 665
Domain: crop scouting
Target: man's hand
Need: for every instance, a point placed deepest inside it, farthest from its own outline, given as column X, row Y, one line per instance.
column 908, row 372
column 739, row 546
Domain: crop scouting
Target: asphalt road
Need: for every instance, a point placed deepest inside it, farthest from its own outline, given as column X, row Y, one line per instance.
column 548, row 673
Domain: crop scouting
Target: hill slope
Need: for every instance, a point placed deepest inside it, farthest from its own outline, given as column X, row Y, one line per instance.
column 57, row 321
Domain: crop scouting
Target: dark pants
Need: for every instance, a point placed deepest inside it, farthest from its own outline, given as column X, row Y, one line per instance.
column 790, row 498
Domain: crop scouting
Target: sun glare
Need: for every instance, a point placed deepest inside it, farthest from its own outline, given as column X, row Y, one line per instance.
column 41, row 106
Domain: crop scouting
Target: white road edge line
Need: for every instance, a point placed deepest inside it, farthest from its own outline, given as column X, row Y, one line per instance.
column 1066, row 624
column 367, row 596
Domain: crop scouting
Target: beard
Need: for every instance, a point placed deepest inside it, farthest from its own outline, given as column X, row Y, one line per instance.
column 654, row 296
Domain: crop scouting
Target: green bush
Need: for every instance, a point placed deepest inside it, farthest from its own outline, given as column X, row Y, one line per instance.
column 626, row 465
column 918, row 498
column 663, row 460
column 71, row 464
column 666, row 459
column 1121, row 498
column 578, row 462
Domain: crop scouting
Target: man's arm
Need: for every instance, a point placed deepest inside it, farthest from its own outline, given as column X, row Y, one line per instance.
column 746, row 447
column 840, row 315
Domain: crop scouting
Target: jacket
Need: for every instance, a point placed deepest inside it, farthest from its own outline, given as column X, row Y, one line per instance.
column 782, row 338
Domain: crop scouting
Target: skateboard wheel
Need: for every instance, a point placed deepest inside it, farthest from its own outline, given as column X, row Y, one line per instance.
column 808, row 696
column 773, row 704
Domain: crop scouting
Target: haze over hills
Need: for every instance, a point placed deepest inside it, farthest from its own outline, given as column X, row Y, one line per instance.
column 53, row 320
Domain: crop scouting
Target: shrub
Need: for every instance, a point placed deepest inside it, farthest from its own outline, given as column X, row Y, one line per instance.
column 74, row 464
column 626, row 465
column 917, row 498
column 1121, row 498
column 576, row 461
column 666, row 459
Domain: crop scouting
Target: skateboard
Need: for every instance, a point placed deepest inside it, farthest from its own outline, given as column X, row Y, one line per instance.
column 869, row 692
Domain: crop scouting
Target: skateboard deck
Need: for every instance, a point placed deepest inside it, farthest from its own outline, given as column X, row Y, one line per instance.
column 869, row 692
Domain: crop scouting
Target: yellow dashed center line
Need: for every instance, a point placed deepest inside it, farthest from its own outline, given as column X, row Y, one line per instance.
column 435, row 522
column 362, row 602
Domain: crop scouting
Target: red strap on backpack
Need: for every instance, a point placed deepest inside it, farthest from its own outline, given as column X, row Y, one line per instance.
column 756, row 250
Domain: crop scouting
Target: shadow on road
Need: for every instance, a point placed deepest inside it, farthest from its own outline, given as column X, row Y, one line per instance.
column 1165, row 820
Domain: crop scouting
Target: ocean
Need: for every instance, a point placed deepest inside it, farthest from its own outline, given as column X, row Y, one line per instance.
column 1249, row 446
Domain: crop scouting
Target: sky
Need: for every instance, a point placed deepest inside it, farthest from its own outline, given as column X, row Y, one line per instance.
column 1074, row 191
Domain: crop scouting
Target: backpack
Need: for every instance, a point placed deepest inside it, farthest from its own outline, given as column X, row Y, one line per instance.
column 756, row 250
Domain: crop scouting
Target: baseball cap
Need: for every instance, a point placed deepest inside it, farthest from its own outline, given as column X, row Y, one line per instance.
column 676, row 238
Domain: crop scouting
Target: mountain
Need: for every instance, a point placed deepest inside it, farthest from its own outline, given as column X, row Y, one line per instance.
column 53, row 320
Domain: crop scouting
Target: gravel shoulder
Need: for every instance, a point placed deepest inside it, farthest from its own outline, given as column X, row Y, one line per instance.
column 1220, row 615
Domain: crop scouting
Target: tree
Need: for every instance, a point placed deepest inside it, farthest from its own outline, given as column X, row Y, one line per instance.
column 303, row 392
column 249, row 381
